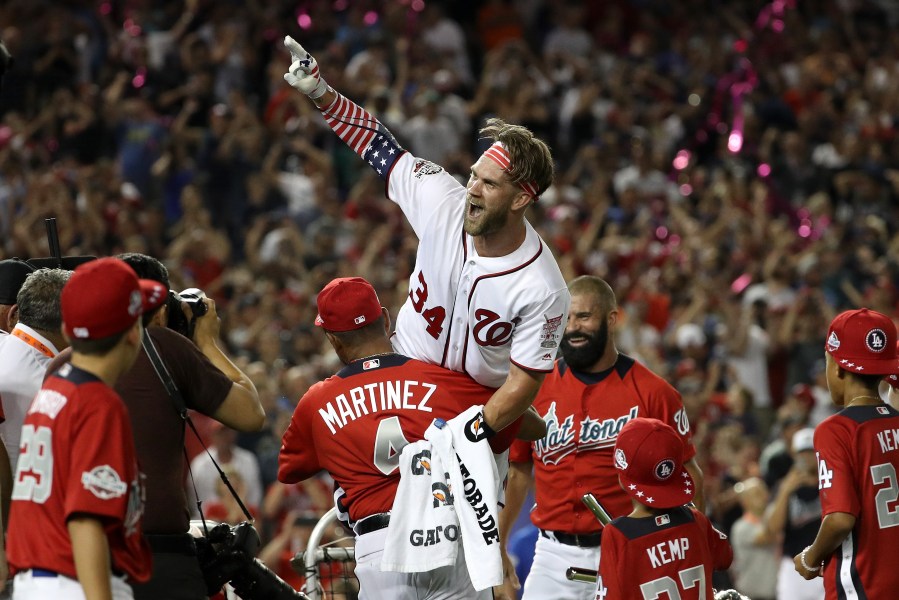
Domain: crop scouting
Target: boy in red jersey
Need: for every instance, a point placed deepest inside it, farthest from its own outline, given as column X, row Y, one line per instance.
column 77, row 499
column 858, row 456
column 663, row 546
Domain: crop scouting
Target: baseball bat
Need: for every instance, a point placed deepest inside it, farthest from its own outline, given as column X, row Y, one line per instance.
column 596, row 508
column 582, row 575
column 53, row 241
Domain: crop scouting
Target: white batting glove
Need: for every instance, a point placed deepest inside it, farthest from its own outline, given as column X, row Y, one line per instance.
column 303, row 74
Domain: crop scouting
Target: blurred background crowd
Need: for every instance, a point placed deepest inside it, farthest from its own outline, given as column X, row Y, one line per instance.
column 731, row 168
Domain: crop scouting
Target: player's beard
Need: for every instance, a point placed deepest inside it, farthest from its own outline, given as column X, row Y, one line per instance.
column 583, row 357
column 487, row 222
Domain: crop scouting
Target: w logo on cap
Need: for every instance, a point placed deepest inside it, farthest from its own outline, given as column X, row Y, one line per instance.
column 833, row 342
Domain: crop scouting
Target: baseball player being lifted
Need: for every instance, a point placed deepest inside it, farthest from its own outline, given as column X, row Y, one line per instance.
column 590, row 395
column 355, row 424
column 486, row 296
column 77, row 500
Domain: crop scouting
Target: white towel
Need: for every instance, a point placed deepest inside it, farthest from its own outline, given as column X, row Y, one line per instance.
column 476, row 483
column 456, row 499
column 424, row 532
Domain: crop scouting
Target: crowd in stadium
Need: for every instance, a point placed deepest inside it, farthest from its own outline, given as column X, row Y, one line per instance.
column 730, row 168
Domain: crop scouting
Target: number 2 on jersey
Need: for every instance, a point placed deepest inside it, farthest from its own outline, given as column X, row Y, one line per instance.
column 389, row 442
column 886, row 472
column 435, row 315
column 34, row 474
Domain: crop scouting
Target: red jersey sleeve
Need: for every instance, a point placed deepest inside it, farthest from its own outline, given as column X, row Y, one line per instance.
column 298, row 459
column 100, row 474
column 836, row 481
column 608, row 584
column 664, row 403
column 719, row 546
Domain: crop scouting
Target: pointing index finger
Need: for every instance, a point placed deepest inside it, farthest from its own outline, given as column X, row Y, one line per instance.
column 294, row 47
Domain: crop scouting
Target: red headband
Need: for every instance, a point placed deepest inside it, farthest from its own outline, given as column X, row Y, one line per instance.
column 498, row 154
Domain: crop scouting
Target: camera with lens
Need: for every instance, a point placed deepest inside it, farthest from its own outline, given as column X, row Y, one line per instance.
column 227, row 555
column 178, row 321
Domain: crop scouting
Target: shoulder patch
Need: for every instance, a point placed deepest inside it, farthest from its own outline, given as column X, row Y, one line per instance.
column 425, row 167
column 104, row 482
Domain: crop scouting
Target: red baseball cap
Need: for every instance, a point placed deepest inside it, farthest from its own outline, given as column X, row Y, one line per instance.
column 863, row 341
column 893, row 379
column 649, row 456
column 104, row 297
column 347, row 303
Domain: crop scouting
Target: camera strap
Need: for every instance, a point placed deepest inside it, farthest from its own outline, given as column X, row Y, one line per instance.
column 181, row 407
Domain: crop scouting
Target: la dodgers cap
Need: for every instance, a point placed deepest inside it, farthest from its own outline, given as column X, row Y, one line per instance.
column 649, row 456
column 104, row 297
column 863, row 341
column 347, row 303
column 12, row 276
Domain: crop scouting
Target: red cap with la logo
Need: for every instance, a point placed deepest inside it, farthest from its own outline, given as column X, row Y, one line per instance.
column 649, row 456
column 863, row 341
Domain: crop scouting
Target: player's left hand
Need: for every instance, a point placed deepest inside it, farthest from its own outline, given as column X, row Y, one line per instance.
column 303, row 73
column 806, row 574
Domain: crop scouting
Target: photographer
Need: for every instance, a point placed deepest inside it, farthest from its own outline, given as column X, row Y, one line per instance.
column 211, row 384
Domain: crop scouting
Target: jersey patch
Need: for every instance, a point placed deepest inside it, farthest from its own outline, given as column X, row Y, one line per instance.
column 425, row 167
column 548, row 337
column 104, row 482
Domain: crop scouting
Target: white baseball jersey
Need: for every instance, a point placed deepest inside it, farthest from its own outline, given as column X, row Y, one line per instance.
column 24, row 356
column 467, row 312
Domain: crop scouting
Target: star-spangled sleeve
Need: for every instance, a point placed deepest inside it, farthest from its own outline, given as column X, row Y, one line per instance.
column 364, row 134
column 833, row 447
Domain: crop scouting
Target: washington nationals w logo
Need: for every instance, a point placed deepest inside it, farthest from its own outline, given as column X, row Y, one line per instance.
column 490, row 331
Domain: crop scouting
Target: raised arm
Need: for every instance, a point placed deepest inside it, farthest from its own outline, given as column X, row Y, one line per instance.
column 353, row 124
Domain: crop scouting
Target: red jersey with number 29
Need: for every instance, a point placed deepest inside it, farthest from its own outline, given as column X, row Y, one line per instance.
column 355, row 424
column 76, row 457
column 672, row 553
column 858, row 460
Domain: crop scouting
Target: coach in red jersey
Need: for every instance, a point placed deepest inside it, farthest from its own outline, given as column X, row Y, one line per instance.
column 662, row 548
column 355, row 424
column 77, row 499
column 858, row 457
column 592, row 392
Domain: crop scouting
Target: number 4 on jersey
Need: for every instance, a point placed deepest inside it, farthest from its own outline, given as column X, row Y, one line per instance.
column 435, row 315
column 389, row 442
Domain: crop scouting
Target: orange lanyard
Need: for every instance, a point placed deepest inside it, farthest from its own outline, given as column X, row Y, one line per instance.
column 34, row 343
